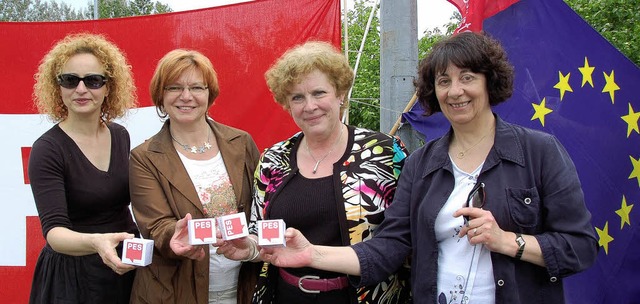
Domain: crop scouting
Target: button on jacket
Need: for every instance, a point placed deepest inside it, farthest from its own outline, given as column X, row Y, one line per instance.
column 531, row 187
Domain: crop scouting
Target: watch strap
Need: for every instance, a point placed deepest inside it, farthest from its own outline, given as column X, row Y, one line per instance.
column 520, row 241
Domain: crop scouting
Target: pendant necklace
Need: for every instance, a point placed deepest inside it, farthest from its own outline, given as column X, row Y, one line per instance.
column 315, row 168
column 193, row 149
column 462, row 154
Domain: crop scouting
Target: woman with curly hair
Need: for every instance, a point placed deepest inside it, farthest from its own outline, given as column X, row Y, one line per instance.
column 78, row 173
column 332, row 181
column 491, row 212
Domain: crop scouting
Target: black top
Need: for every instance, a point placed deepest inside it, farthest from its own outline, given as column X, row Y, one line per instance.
column 70, row 192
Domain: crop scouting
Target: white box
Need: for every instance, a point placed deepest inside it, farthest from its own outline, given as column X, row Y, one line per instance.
column 271, row 233
column 233, row 226
column 137, row 252
column 202, row 231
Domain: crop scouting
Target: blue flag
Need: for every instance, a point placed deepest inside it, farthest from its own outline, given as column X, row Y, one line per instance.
column 572, row 83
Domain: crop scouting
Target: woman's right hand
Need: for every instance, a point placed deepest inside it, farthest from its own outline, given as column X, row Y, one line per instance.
column 180, row 241
column 105, row 245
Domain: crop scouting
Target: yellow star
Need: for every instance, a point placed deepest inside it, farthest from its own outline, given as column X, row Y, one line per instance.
column 632, row 121
column 586, row 71
column 563, row 84
column 636, row 169
column 604, row 238
column 610, row 87
column 623, row 212
column 540, row 111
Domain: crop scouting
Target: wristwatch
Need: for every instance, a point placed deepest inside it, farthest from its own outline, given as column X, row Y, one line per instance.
column 520, row 241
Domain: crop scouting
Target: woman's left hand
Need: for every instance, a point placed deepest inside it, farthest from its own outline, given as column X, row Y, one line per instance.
column 242, row 249
column 482, row 228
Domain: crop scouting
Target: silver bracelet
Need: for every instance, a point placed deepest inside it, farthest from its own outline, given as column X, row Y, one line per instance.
column 254, row 251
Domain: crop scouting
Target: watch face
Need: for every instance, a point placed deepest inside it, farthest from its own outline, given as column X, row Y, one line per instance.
column 520, row 241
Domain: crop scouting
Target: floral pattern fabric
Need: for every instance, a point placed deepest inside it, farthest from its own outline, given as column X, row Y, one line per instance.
column 368, row 174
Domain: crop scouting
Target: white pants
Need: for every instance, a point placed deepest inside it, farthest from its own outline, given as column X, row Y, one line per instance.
column 228, row 296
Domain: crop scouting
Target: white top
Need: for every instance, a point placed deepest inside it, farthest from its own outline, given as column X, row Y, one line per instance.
column 465, row 272
column 214, row 188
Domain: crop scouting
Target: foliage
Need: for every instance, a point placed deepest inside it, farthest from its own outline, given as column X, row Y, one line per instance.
column 125, row 8
column 36, row 10
column 364, row 108
column 42, row 10
column 616, row 20
column 431, row 36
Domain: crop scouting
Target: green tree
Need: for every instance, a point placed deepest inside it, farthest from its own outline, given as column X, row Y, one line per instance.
column 364, row 107
column 616, row 20
column 43, row 10
column 125, row 8
column 36, row 10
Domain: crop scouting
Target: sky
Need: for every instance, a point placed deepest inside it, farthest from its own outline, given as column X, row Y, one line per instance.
column 431, row 13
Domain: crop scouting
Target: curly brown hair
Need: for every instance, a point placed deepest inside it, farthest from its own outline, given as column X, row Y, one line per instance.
column 172, row 65
column 303, row 59
column 474, row 51
column 122, row 90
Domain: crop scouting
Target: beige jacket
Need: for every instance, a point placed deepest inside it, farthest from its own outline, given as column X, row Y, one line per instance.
column 162, row 193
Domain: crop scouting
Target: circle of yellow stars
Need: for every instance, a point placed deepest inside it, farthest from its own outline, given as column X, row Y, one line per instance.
column 610, row 87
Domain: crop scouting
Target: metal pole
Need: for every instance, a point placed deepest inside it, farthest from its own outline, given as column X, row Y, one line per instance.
column 95, row 9
column 362, row 43
column 398, row 65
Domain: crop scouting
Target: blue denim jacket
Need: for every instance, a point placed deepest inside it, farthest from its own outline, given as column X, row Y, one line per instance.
column 532, row 187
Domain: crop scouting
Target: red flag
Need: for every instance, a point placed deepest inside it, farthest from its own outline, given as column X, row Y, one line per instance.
column 475, row 11
column 242, row 40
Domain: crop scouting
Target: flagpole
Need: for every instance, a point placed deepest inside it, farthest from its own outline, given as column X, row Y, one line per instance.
column 396, row 126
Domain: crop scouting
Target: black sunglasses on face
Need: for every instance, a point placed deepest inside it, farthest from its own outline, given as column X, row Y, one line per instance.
column 476, row 199
column 70, row 81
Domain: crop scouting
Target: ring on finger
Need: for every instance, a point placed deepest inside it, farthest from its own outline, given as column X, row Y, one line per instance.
column 475, row 231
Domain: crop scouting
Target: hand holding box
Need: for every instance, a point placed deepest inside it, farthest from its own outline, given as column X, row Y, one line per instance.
column 138, row 252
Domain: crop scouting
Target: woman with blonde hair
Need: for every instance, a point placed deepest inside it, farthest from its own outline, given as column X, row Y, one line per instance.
column 77, row 174
column 331, row 180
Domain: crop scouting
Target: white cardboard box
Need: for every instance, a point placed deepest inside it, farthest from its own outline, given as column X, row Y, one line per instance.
column 137, row 251
column 202, row 231
column 271, row 233
column 233, row 226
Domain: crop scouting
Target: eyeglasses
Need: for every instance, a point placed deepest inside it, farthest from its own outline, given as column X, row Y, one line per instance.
column 476, row 199
column 195, row 90
column 70, row 81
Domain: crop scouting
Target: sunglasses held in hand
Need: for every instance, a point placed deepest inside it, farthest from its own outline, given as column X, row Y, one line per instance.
column 476, row 199
column 70, row 81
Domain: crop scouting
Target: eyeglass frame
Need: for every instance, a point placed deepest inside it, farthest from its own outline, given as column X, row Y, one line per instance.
column 176, row 89
column 478, row 189
column 102, row 80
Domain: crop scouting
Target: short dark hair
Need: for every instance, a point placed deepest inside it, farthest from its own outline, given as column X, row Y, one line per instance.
column 474, row 51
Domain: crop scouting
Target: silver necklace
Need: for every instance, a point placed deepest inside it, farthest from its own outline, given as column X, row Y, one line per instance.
column 193, row 149
column 315, row 168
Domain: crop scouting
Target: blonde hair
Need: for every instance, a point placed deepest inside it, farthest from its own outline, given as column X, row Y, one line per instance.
column 303, row 59
column 122, row 90
column 172, row 65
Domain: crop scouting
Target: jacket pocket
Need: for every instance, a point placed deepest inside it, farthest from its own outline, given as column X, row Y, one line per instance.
column 524, row 206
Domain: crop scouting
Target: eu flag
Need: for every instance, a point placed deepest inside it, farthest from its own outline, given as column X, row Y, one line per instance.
column 571, row 82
